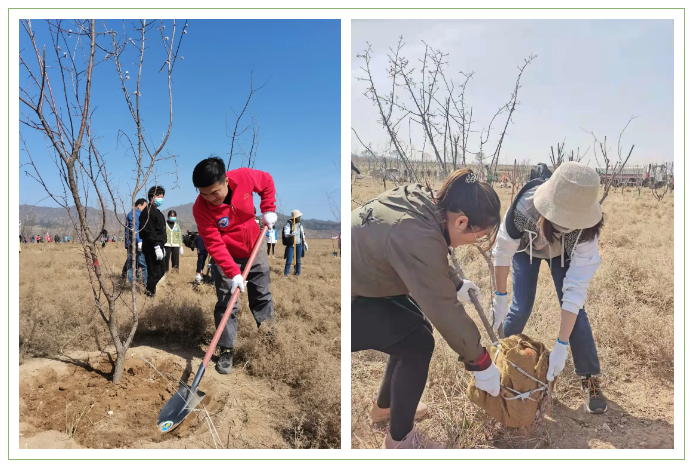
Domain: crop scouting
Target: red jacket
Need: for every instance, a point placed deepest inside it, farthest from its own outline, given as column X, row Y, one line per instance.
column 230, row 230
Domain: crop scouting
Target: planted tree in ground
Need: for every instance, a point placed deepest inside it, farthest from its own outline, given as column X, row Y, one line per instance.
column 63, row 114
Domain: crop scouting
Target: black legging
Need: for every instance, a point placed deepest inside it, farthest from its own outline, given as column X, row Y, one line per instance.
column 376, row 320
column 270, row 249
column 201, row 258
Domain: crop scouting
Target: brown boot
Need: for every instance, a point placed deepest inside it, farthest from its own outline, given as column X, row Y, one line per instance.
column 377, row 414
column 414, row 440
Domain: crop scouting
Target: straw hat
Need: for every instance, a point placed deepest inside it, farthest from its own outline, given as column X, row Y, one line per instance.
column 296, row 213
column 569, row 197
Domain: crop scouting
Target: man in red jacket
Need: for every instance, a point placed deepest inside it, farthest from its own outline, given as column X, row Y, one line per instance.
column 224, row 212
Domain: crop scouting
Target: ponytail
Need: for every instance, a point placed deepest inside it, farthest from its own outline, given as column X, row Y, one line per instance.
column 463, row 193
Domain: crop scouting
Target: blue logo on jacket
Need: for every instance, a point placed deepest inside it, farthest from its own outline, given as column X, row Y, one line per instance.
column 222, row 223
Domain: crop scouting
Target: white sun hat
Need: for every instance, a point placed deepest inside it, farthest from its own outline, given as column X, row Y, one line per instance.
column 569, row 197
column 296, row 213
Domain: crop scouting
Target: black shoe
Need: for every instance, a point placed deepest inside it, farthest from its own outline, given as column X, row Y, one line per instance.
column 595, row 401
column 225, row 361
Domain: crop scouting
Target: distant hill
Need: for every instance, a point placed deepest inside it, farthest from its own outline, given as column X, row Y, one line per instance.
column 38, row 220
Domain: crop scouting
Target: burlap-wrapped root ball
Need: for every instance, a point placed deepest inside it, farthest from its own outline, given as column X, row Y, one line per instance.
column 533, row 358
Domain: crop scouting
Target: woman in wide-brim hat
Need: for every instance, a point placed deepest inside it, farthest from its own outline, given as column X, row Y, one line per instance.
column 558, row 221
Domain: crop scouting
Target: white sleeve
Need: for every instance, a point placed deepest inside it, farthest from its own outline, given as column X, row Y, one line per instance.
column 584, row 263
column 505, row 246
column 286, row 230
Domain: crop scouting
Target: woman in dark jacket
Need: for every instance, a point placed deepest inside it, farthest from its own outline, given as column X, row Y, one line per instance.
column 153, row 236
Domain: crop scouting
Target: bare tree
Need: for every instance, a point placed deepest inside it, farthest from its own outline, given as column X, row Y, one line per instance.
column 63, row 115
column 662, row 180
column 426, row 98
column 239, row 130
column 610, row 169
column 564, row 156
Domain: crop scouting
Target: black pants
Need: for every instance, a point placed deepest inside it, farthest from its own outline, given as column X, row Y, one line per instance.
column 201, row 258
column 271, row 249
column 396, row 326
column 155, row 268
column 173, row 252
column 258, row 292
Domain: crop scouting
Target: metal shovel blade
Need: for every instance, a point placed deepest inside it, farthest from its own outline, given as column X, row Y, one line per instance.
column 178, row 407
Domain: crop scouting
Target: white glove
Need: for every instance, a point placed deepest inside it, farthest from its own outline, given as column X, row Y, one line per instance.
column 269, row 219
column 500, row 309
column 488, row 380
column 198, row 278
column 463, row 293
column 306, row 248
column 139, row 246
column 159, row 253
column 557, row 360
column 181, row 250
column 237, row 281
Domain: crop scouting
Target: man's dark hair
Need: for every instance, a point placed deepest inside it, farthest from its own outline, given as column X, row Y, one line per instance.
column 156, row 191
column 140, row 201
column 209, row 171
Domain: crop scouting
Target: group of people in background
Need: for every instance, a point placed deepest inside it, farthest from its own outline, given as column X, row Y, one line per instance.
column 44, row 239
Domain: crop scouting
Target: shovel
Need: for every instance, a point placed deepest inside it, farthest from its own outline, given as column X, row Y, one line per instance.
column 188, row 397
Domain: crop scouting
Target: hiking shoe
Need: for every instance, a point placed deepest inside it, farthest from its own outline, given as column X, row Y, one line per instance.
column 225, row 361
column 377, row 414
column 595, row 401
column 415, row 439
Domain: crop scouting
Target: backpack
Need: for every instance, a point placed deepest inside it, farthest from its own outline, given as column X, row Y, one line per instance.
column 286, row 241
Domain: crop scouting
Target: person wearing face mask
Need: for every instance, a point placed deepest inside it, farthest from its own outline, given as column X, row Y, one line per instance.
column 558, row 221
column 224, row 212
column 138, row 261
column 153, row 237
column 173, row 244
column 402, row 284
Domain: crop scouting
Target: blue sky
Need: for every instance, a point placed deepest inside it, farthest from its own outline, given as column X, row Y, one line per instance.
column 298, row 110
column 591, row 74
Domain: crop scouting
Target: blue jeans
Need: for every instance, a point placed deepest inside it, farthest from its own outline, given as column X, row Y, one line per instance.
column 141, row 263
column 525, row 275
column 289, row 259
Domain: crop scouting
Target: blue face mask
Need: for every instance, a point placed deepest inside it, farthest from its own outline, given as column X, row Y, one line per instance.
column 158, row 202
column 172, row 219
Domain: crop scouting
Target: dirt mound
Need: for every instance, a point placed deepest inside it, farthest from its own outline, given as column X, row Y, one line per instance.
column 73, row 402
column 96, row 413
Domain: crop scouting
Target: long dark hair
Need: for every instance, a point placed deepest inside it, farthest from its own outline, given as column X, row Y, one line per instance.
column 463, row 193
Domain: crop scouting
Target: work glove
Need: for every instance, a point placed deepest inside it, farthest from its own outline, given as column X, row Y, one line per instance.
column 198, row 278
column 139, row 246
column 500, row 309
column 464, row 292
column 269, row 219
column 181, row 250
column 237, row 281
column 488, row 380
column 557, row 360
column 306, row 248
column 159, row 253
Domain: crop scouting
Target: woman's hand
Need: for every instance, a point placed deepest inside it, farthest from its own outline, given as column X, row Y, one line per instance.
column 500, row 309
column 488, row 380
column 464, row 292
column 557, row 360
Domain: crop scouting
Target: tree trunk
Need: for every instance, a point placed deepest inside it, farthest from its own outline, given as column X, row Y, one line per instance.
column 119, row 366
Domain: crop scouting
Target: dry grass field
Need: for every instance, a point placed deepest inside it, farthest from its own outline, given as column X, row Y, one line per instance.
column 284, row 392
column 631, row 309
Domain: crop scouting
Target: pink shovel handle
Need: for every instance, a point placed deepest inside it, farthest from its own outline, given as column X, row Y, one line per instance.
column 233, row 299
